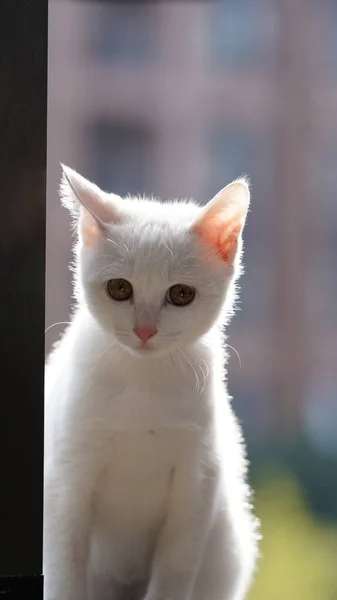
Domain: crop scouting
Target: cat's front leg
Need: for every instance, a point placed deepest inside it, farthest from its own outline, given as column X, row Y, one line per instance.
column 66, row 539
column 182, row 540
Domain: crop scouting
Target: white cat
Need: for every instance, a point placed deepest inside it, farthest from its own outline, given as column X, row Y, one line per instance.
column 145, row 492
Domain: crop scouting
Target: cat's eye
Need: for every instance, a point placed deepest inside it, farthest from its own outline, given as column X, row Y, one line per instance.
column 119, row 289
column 180, row 294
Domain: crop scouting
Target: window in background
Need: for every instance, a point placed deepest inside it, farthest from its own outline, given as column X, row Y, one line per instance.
column 123, row 32
column 120, row 156
column 243, row 33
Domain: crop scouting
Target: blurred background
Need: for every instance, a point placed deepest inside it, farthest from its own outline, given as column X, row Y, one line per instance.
column 176, row 99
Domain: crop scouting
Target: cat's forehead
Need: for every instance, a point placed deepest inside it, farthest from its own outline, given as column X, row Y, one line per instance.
column 152, row 246
column 152, row 210
column 152, row 232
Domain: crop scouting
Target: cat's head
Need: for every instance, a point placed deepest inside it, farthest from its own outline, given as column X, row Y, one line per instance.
column 155, row 275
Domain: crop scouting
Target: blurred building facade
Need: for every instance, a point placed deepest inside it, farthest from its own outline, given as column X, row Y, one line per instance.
column 176, row 99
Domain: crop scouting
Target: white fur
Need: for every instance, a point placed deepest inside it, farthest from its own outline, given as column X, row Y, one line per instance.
column 145, row 493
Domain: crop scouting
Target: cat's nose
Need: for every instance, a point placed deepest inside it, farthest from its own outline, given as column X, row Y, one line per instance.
column 145, row 333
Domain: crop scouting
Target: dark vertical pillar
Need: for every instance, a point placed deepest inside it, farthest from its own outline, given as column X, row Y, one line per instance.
column 23, row 120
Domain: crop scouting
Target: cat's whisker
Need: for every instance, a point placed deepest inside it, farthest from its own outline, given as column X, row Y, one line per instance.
column 171, row 244
column 112, row 242
column 58, row 323
column 204, row 378
column 197, row 387
column 205, row 375
column 102, row 269
column 127, row 250
column 169, row 249
column 186, row 258
column 112, row 345
column 237, row 354
column 189, row 266
column 104, row 256
column 106, row 268
column 172, row 359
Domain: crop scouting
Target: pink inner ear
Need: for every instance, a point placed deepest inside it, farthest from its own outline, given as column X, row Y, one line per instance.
column 89, row 229
column 221, row 232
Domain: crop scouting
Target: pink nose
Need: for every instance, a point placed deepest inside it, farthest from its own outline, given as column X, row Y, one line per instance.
column 145, row 333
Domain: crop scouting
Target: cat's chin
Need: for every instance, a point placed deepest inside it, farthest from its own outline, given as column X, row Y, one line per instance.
column 145, row 351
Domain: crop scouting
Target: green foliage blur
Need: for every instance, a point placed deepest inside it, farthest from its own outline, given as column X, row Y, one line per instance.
column 298, row 550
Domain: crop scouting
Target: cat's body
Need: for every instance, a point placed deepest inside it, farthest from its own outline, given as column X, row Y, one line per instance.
column 145, row 497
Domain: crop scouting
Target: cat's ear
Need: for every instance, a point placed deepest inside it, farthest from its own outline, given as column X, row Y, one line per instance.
column 221, row 221
column 93, row 208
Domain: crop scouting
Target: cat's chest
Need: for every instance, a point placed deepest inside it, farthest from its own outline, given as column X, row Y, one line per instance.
column 140, row 453
column 134, row 476
column 136, row 408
